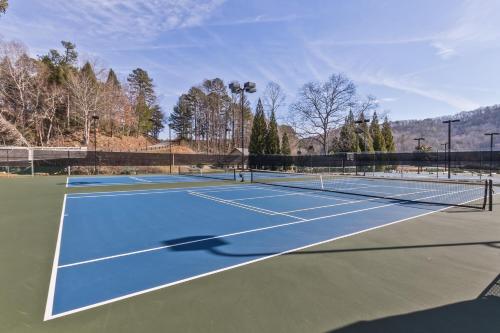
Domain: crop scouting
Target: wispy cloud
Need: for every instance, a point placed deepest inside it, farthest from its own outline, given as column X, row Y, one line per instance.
column 477, row 24
column 387, row 99
column 405, row 84
column 142, row 19
column 263, row 18
column 373, row 42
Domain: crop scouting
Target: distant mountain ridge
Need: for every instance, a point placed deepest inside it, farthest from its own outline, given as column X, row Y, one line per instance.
column 468, row 134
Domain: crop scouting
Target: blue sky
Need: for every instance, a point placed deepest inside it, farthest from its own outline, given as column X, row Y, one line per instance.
column 419, row 58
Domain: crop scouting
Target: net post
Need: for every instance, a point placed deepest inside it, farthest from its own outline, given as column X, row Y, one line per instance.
column 490, row 189
column 8, row 163
column 251, row 175
column 68, row 165
column 32, row 164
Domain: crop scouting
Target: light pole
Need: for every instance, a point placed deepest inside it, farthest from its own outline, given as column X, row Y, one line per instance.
column 95, row 118
column 491, row 149
column 248, row 87
column 418, row 149
column 445, row 150
column 170, row 145
column 449, row 143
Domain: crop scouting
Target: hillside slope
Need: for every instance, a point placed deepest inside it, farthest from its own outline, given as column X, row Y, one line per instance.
column 468, row 134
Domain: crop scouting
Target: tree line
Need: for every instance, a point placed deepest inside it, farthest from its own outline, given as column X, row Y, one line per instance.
column 358, row 136
column 51, row 96
column 264, row 138
column 330, row 113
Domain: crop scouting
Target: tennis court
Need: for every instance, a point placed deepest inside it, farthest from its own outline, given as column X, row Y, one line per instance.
column 115, row 245
column 92, row 181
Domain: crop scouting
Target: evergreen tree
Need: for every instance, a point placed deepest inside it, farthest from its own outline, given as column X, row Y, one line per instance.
column 376, row 134
column 285, row 145
column 259, row 131
column 70, row 54
column 272, row 137
column 60, row 65
column 143, row 113
column 113, row 79
column 348, row 139
column 335, row 145
column 157, row 121
column 181, row 119
column 140, row 83
column 388, row 137
column 365, row 140
column 88, row 72
column 142, row 90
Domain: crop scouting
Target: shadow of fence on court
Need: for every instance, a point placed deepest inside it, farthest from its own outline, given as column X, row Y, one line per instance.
column 478, row 315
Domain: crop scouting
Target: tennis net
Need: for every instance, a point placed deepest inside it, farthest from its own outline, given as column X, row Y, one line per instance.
column 219, row 174
column 449, row 193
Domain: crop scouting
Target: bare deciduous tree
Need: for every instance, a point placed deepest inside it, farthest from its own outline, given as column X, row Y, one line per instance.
column 86, row 94
column 273, row 98
column 322, row 106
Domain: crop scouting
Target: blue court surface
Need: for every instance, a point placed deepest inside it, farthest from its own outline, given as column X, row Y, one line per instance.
column 115, row 245
column 91, row 181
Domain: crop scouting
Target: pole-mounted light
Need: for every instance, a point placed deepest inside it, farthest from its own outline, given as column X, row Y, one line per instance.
column 236, row 88
column 449, row 142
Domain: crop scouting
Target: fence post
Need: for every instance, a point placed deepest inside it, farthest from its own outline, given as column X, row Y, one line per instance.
column 8, row 163
column 68, row 165
column 31, row 158
column 490, row 203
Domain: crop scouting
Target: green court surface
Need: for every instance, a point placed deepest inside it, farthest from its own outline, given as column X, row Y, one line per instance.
column 435, row 273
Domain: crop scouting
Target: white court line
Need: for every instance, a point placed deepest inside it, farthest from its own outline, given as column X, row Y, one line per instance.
column 338, row 182
column 349, row 202
column 265, row 196
column 140, row 179
column 53, row 275
column 221, row 236
column 309, row 193
column 83, row 195
column 229, row 267
column 241, row 205
column 235, row 204
column 242, row 232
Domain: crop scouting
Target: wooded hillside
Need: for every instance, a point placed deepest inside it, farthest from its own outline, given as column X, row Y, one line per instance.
column 55, row 95
column 468, row 134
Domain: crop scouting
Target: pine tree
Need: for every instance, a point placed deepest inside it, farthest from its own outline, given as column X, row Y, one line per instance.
column 272, row 137
column 259, row 131
column 142, row 90
column 144, row 113
column 285, row 145
column 180, row 119
column 157, row 121
column 365, row 141
column 376, row 134
column 348, row 139
column 335, row 145
column 113, row 79
column 88, row 72
column 60, row 66
column 140, row 83
column 388, row 137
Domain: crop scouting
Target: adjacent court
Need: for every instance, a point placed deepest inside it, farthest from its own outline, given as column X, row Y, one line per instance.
column 91, row 181
column 114, row 245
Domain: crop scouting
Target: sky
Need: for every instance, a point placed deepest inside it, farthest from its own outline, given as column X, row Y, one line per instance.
column 419, row 59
